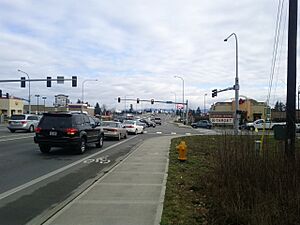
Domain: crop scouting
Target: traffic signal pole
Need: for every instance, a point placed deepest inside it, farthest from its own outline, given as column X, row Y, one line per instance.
column 291, row 80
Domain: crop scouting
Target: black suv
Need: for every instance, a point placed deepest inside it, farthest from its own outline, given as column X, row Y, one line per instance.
column 67, row 129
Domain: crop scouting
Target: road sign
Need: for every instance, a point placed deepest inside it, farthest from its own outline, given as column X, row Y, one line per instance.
column 60, row 79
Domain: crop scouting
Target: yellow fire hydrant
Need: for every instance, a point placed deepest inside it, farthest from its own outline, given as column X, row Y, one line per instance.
column 182, row 150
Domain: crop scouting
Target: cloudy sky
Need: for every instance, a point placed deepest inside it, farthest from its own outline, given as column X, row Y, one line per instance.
column 136, row 47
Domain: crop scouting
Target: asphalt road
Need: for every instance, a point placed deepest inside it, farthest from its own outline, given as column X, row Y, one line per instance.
column 35, row 185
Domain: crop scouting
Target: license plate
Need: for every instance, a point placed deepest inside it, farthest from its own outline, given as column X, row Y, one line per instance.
column 53, row 133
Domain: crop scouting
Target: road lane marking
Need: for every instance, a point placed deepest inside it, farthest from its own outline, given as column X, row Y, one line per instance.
column 46, row 176
column 188, row 134
column 173, row 132
column 17, row 138
column 159, row 132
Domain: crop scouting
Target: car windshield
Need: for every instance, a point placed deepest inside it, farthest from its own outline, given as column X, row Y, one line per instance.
column 129, row 122
column 18, row 117
column 48, row 122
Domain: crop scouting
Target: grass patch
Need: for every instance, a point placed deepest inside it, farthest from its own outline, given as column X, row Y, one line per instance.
column 225, row 182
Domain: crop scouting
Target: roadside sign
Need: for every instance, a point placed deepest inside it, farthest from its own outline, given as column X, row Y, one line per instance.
column 60, row 79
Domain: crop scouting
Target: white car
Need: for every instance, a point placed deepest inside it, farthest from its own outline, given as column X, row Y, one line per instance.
column 26, row 122
column 132, row 127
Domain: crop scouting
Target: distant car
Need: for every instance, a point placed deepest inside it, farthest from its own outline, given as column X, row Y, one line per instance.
column 113, row 129
column 25, row 122
column 148, row 122
column 202, row 124
column 132, row 127
column 67, row 129
column 157, row 120
column 144, row 125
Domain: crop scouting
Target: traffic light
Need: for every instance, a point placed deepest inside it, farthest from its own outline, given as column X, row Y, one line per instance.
column 23, row 84
column 137, row 100
column 0, row 93
column 152, row 101
column 119, row 99
column 7, row 95
column 48, row 81
column 74, row 81
column 214, row 93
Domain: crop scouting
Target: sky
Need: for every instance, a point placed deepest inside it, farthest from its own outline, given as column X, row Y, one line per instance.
column 134, row 48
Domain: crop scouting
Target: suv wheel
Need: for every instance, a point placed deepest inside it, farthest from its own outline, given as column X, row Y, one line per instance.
column 12, row 131
column 81, row 146
column 136, row 131
column 99, row 143
column 31, row 129
column 125, row 135
column 45, row 148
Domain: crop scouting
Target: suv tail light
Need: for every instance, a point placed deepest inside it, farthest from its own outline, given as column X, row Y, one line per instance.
column 71, row 131
column 130, row 126
column 38, row 130
column 24, row 122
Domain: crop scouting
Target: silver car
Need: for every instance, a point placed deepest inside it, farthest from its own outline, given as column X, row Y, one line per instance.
column 25, row 122
column 113, row 129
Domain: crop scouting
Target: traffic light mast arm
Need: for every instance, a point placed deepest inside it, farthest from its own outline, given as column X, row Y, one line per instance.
column 226, row 89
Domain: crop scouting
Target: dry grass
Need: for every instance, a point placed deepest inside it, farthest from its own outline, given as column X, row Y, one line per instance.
column 225, row 182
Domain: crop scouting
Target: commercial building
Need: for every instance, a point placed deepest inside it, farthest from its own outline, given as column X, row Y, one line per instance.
column 249, row 110
column 61, row 100
column 11, row 105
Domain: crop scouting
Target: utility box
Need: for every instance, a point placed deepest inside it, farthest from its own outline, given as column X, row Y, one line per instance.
column 279, row 132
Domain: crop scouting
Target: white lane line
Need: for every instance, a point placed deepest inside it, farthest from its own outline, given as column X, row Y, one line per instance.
column 188, row 134
column 158, row 132
column 173, row 132
column 17, row 138
column 28, row 184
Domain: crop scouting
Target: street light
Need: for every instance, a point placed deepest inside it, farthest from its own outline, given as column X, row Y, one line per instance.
column 236, row 85
column 204, row 103
column 37, row 103
column 44, row 98
column 82, row 89
column 29, row 101
column 182, row 94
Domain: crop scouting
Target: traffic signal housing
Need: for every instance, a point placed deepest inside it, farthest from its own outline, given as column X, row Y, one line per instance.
column 152, row 101
column 137, row 100
column 119, row 99
column 48, row 81
column 214, row 93
column 0, row 93
column 74, row 81
column 7, row 95
column 23, row 84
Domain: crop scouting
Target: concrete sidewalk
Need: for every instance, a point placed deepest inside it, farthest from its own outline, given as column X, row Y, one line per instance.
column 130, row 194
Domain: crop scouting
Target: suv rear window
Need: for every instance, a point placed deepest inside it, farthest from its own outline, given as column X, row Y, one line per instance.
column 48, row 122
column 17, row 117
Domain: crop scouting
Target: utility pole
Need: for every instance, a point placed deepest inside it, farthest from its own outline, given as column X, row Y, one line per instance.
column 291, row 80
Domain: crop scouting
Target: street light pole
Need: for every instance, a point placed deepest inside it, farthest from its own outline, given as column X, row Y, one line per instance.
column 44, row 98
column 204, row 103
column 37, row 103
column 236, row 85
column 182, row 95
column 29, row 101
column 82, row 91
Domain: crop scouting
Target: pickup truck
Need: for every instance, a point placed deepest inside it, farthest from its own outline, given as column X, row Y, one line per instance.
column 268, row 125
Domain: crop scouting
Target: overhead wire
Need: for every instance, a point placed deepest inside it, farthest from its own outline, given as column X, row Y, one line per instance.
column 273, row 62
